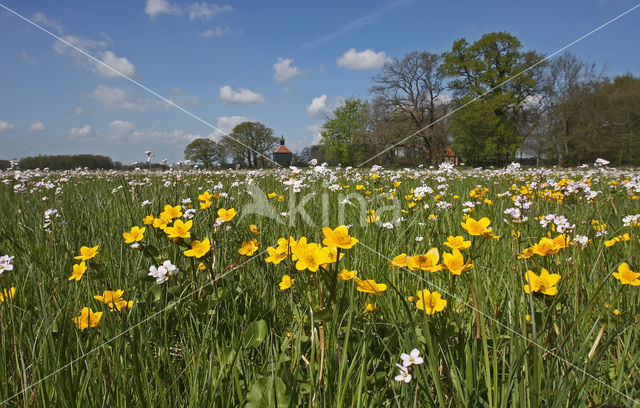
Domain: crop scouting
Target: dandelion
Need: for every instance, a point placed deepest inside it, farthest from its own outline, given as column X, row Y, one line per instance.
column 370, row 286
column 179, row 229
column 7, row 295
column 455, row 262
column 430, row 302
column 198, row 248
column 248, row 248
column 412, row 358
column 457, row 242
column 87, row 318
column 78, row 271
column 87, row 253
column 286, row 282
column 338, row 238
column 626, row 276
column 545, row 283
column 134, row 235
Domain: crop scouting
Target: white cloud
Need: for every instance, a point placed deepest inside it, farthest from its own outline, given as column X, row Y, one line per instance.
column 30, row 59
column 80, row 133
column 175, row 137
column 37, row 127
column 205, row 11
column 240, row 96
column 216, row 32
column 120, row 64
column 316, row 136
column 114, row 97
column 155, row 8
column 5, row 126
column 84, row 44
column 318, row 106
column 79, row 110
column 226, row 124
column 367, row 59
column 42, row 19
column 284, row 71
column 121, row 126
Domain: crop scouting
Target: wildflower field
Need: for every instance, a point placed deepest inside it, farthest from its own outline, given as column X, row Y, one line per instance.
column 320, row 287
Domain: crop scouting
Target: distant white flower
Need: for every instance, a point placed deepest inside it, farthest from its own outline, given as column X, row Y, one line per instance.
column 387, row 225
column 419, row 239
column 188, row 214
column 145, row 203
column 601, row 162
column 6, row 263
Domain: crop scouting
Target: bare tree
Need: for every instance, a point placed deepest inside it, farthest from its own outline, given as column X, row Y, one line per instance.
column 413, row 86
column 257, row 142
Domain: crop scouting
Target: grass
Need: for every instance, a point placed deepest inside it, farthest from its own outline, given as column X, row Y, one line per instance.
column 228, row 336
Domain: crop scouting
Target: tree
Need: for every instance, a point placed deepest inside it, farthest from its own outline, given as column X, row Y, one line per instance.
column 492, row 70
column 411, row 88
column 342, row 130
column 250, row 143
column 204, row 151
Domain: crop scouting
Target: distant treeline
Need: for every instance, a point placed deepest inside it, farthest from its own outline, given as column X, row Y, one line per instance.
column 66, row 162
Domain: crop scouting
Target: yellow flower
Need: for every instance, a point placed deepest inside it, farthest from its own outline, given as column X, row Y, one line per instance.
column 399, row 261
column 346, row 274
column 286, row 282
column 248, row 248
column 372, row 217
column 370, row 286
column 457, row 243
column 206, row 196
column 114, row 300
column 626, row 276
column 338, row 238
column 148, row 220
column 476, row 228
column 455, row 262
column 87, row 318
column 254, row 229
column 619, row 238
column 545, row 247
column 226, row 215
column 136, row 234
column 160, row 223
column 545, row 283
column 280, row 198
column 371, row 307
column 202, row 266
column 179, row 229
column 78, row 271
column 276, row 255
column 311, row 256
column 170, row 212
column 426, row 262
column 7, row 295
column 205, row 204
column 198, row 248
column 526, row 254
column 430, row 302
column 87, row 253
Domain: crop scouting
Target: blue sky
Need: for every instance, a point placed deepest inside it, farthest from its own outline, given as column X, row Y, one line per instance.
column 283, row 63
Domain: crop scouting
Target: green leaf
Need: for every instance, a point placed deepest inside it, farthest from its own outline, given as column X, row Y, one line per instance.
column 255, row 334
column 155, row 293
column 263, row 394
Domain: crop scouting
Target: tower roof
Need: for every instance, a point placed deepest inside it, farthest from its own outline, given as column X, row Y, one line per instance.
column 282, row 149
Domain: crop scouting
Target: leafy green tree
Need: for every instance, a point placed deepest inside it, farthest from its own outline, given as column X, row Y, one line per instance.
column 343, row 129
column 492, row 70
column 251, row 144
column 204, row 151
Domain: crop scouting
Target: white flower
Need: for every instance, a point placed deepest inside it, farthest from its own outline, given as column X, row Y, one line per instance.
column 419, row 239
column 387, row 225
column 188, row 214
column 159, row 273
column 145, row 203
column 170, row 268
column 6, row 263
column 404, row 374
column 412, row 358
